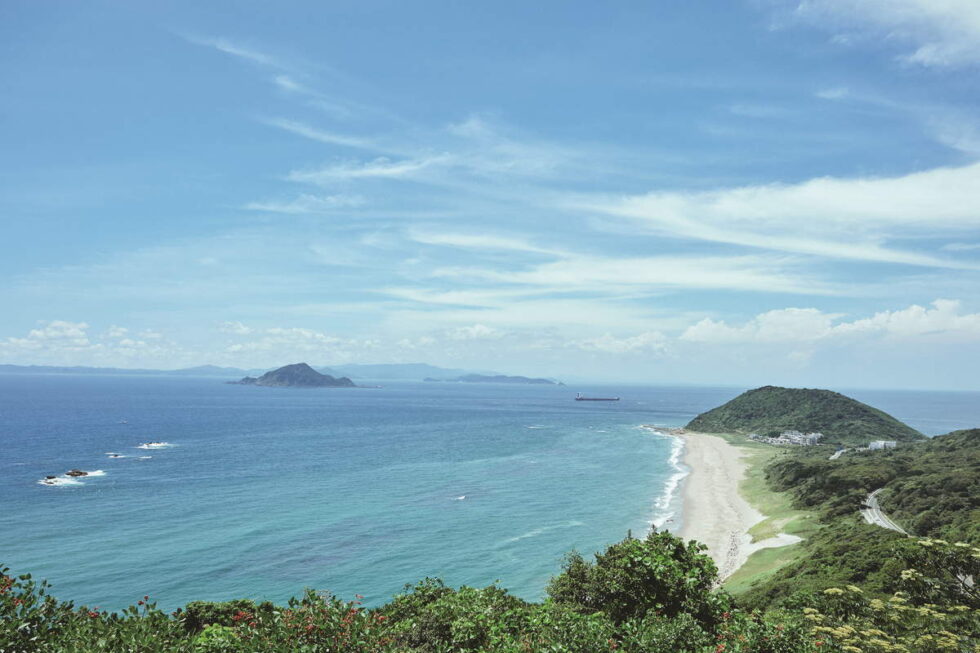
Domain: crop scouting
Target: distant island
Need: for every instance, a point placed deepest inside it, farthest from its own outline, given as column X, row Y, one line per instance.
column 499, row 378
column 298, row 375
column 771, row 410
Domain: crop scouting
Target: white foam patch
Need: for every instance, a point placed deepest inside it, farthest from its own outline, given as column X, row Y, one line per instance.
column 540, row 531
column 155, row 445
column 60, row 481
column 662, row 505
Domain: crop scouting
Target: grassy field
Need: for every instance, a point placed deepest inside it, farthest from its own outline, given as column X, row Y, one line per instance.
column 781, row 517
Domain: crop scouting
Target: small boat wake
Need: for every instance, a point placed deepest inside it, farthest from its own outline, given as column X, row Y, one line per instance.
column 72, row 477
column 154, row 445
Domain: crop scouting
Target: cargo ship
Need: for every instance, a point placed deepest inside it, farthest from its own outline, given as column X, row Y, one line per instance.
column 580, row 397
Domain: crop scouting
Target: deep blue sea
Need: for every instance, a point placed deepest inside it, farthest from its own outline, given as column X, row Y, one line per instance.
column 261, row 492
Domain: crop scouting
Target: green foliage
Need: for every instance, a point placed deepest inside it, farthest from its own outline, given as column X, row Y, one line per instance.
column 771, row 410
column 639, row 596
column 217, row 639
column 198, row 614
column 433, row 617
column 660, row 574
column 932, row 488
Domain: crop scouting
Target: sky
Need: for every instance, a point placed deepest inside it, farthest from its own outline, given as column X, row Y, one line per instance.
column 739, row 193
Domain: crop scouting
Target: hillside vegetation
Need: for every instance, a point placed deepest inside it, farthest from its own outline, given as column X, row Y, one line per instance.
column 770, row 410
column 639, row 596
column 931, row 488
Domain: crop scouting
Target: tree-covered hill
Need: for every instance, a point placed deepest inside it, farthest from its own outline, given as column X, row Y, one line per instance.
column 770, row 410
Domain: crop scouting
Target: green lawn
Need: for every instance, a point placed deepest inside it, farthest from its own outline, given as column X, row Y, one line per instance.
column 781, row 517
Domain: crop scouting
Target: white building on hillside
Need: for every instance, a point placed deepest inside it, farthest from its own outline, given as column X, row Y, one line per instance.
column 883, row 444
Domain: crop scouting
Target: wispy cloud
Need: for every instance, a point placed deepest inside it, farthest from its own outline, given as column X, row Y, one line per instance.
column 608, row 275
column 827, row 217
column 835, row 93
column 236, row 50
column 308, row 204
column 482, row 242
column 940, row 32
column 378, row 168
column 320, row 135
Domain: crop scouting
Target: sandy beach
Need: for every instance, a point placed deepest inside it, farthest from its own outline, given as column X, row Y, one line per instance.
column 715, row 513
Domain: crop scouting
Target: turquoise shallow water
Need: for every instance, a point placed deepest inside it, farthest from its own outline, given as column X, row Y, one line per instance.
column 266, row 491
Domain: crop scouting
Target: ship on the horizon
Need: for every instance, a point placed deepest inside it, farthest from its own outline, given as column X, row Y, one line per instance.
column 580, row 397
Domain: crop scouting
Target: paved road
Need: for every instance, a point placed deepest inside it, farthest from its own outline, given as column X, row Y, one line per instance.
column 873, row 515
column 837, row 454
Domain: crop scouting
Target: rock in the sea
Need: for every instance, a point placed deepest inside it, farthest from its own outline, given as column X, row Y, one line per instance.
column 76, row 472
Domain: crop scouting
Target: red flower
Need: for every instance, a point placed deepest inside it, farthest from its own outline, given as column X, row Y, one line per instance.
column 139, row 603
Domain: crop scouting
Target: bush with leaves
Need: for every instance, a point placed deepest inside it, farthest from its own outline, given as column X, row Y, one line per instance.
column 660, row 574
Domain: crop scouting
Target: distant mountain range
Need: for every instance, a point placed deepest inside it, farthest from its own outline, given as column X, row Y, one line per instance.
column 496, row 378
column 201, row 370
column 396, row 371
column 388, row 372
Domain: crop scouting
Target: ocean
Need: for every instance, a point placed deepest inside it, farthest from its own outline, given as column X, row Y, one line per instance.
column 262, row 492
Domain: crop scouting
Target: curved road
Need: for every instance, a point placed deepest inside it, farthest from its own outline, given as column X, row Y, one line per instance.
column 873, row 515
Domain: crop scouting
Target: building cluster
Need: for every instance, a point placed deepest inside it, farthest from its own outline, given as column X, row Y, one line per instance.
column 795, row 438
column 882, row 444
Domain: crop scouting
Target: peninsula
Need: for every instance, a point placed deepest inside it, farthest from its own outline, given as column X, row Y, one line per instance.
column 771, row 410
column 298, row 375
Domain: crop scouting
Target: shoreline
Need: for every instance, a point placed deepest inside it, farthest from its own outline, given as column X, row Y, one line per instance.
column 715, row 512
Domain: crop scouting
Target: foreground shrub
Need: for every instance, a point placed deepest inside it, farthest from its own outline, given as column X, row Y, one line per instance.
column 660, row 574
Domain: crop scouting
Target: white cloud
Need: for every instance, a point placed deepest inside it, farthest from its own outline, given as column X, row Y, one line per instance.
column 940, row 32
column 287, row 83
column 61, row 342
column 236, row 328
column 944, row 321
column 613, row 276
column 271, row 346
column 475, row 332
column 836, row 93
column 961, row 247
column 308, row 204
column 828, row 217
column 783, row 325
column 56, row 334
column 648, row 342
column 236, row 50
column 321, row 136
column 381, row 167
column 480, row 242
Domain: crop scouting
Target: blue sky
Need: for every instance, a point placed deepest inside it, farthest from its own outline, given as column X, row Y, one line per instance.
column 704, row 192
